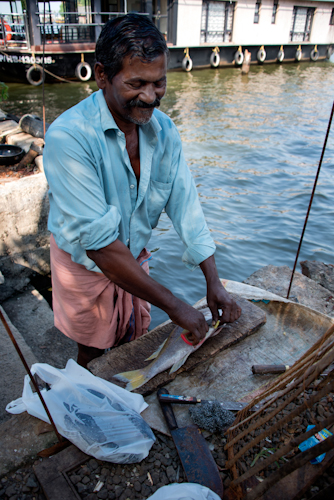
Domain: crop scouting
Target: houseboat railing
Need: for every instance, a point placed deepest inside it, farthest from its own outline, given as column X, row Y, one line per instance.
column 68, row 29
column 14, row 31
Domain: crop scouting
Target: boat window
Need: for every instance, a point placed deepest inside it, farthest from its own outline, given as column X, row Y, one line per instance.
column 66, row 21
column 160, row 15
column 331, row 21
column 13, row 20
column 257, row 12
column 275, row 8
column 217, row 22
column 301, row 25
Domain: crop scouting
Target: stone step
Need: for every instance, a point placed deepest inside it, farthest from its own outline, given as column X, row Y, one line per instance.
column 12, row 369
column 31, row 314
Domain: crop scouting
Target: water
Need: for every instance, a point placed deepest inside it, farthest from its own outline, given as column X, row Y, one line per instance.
column 253, row 144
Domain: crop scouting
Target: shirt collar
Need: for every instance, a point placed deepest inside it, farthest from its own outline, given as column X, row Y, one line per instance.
column 107, row 119
column 108, row 122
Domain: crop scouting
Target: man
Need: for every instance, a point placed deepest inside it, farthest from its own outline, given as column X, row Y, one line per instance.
column 113, row 163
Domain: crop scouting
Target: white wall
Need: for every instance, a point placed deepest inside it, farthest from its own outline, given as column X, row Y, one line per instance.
column 263, row 33
column 322, row 32
column 189, row 17
column 245, row 32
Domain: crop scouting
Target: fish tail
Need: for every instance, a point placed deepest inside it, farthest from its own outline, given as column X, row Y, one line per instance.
column 134, row 379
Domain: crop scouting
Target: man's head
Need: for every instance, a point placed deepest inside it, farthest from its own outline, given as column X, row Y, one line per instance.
column 131, row 67
column 132, row 35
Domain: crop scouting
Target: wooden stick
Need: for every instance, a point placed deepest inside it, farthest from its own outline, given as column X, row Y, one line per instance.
column 326, row 361
column 293, row 464
column 283, row 451
column 313, row 399
column 281, row 382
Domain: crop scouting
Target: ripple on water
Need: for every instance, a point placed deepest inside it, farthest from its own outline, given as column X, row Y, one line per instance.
column 253, row 143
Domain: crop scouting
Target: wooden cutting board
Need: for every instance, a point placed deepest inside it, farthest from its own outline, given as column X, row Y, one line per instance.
column 132, row 356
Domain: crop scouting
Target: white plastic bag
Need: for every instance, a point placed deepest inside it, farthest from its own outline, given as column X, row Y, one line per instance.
column 100, row 418
column 184, row 491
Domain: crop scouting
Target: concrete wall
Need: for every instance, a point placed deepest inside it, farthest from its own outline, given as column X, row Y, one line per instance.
column 245, row 32
column 24, row 238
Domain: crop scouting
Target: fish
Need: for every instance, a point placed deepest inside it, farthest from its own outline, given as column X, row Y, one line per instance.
column 172, row 353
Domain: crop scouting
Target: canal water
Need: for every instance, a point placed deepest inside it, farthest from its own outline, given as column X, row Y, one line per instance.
column 253, row 144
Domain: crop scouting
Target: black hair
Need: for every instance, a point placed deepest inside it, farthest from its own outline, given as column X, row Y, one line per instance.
column 132, row 34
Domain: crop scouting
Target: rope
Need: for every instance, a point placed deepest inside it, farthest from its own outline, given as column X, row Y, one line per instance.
column 58, row 77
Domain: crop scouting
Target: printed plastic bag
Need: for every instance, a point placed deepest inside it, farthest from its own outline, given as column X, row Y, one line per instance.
column 184, row 491
column 100, row 418
column 313, row 440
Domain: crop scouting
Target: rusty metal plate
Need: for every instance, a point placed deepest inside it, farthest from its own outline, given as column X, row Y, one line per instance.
column 197, row 461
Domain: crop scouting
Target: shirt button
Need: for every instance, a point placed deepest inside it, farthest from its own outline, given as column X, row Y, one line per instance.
column 132, row 186
column 119, row 133
column 127, row 241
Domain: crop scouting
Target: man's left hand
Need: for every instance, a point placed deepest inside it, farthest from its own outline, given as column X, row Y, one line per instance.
column 218, row 298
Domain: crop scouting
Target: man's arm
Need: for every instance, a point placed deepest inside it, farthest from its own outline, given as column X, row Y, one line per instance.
column 118, row 264
column 217, row 296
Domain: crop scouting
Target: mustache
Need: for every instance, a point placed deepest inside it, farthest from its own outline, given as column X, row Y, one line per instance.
column 137, row 103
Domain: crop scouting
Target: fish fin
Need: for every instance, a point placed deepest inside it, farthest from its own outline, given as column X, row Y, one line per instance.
column 179, row 363
column 156, row 353
column 134, row 379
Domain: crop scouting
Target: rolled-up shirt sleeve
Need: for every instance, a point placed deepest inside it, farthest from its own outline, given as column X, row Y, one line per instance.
column 77, row 201
column 185, row 211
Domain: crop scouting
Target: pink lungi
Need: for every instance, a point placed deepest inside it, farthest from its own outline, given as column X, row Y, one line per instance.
column 92, row 310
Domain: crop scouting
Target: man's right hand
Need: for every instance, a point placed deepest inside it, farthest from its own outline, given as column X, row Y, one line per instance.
column 118, row 264
column 190, row 319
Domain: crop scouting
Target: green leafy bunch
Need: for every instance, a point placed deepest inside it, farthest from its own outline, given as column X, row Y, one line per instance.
column 3, row 92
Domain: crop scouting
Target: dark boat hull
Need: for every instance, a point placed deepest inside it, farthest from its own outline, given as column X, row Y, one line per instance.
column 61, row 63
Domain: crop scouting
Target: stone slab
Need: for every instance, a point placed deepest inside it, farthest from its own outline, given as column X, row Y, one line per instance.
column 321, row 273
column 21, row 139
column 8, row 127
column 12, row 369
column 21, row 441
column 304, row 290
column 31, row 314
column 39, row 163
column 24, row 237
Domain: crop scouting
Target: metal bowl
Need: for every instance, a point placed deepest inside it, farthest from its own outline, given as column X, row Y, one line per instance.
column 9, row 155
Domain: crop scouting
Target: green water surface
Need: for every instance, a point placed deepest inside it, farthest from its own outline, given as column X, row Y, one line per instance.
column 253, row 144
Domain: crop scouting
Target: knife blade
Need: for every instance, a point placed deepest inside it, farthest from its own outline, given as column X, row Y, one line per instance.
column 226, row 405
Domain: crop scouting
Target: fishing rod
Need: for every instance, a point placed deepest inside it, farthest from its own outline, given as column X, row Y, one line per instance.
column 311, row 199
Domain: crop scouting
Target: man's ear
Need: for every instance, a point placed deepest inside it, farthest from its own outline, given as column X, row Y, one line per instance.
column 100, row 76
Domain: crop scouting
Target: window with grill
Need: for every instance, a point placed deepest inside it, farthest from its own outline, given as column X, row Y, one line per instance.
column 257, row 12
column 217, row 22
column 275, row 8
column 331, row 21
column 301, row 25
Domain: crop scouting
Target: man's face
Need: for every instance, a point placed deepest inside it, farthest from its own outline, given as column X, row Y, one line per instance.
column 137, row 89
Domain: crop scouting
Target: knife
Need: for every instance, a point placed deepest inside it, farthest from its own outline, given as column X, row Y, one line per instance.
column 186, row 400
column 196, row 458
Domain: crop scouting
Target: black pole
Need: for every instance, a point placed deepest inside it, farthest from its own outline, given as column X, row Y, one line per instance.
column 311, row 199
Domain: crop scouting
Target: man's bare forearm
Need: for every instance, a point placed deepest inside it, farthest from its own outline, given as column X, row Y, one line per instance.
column 209, row 269
column 119, row 266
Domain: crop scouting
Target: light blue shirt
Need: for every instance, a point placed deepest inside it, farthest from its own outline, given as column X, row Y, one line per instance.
column 94, row 194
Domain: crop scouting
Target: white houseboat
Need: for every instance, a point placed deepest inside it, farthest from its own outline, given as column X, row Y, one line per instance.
column 200, row 33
